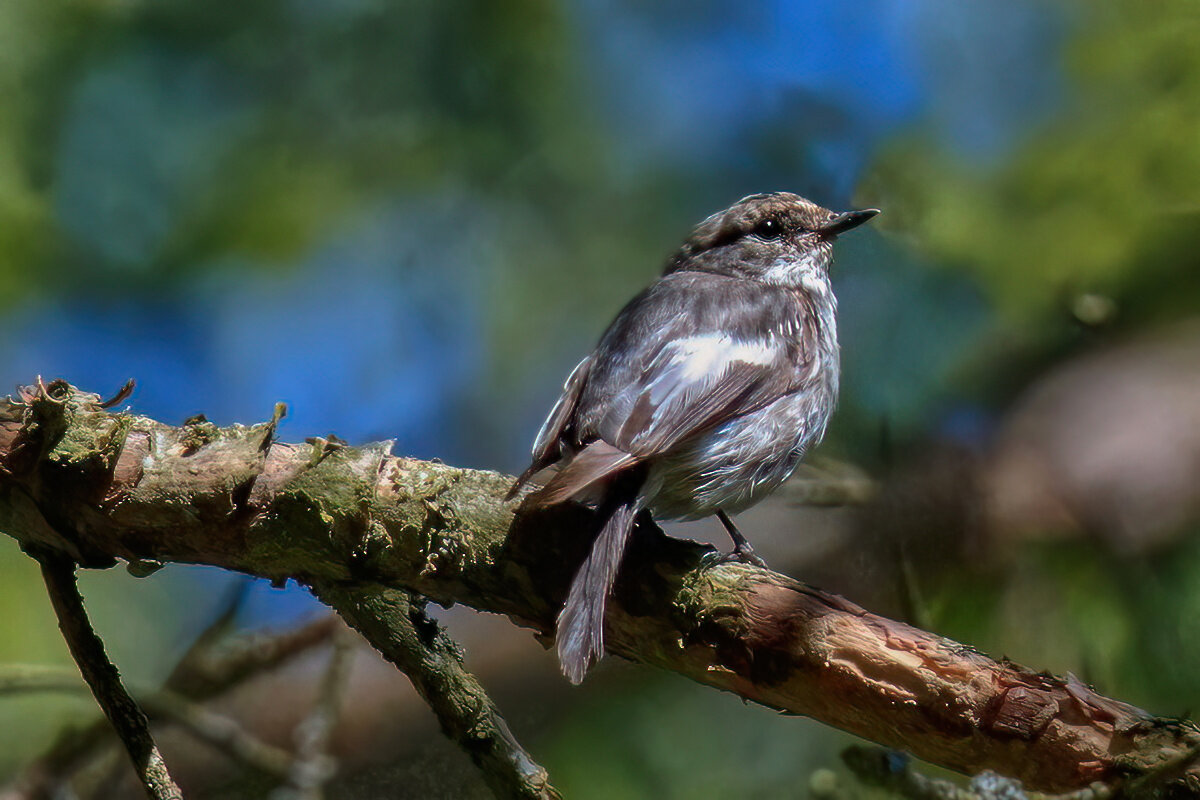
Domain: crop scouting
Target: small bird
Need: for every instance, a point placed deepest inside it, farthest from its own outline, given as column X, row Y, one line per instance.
column 701, row 397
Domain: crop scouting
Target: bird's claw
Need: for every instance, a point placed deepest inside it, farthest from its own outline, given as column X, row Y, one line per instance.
column 744, row 555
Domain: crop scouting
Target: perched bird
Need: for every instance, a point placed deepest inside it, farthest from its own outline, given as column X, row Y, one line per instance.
column 702, row 396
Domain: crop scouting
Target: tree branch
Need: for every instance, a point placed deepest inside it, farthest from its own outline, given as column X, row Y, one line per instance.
column 891, row 772
column 397, row 625
column 213, row 664
column 99, row 486
column 219, row 731
column 103, row 679
column 313, row 766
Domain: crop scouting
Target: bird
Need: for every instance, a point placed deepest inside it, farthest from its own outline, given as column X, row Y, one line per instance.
column 702, row 396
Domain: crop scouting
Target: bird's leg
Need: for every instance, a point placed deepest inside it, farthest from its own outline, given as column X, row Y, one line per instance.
column 742, row 550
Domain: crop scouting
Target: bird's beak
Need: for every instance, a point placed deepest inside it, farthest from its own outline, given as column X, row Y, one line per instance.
column 846, row 221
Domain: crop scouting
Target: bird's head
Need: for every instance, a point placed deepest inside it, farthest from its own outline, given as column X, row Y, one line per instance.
column 778, row 238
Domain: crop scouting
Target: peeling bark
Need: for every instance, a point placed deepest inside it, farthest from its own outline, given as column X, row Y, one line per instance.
column 99, row 486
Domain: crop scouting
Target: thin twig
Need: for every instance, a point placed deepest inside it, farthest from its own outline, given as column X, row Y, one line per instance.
column 892, row 771
column 214, row 729
column 396, row 624
column 313, row 766
column 221, row 732
column 220, row 665
column 102, row 677
column 212, row 665
column 206, row 643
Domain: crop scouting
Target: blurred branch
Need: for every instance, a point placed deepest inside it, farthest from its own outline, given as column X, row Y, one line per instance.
column 220, row 665
column 98, row 487
column 197, row 658
column 102, row 677
column 313, row 766
column 214, row 729
column 215, row 663
column 397, row 625
column 892, row 772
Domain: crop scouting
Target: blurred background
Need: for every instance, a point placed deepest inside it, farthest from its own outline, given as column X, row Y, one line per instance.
column 409, row 221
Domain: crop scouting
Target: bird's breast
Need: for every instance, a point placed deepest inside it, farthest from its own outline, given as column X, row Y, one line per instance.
column 736, row 464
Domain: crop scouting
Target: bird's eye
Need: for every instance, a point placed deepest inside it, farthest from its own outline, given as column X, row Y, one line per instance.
column 768, row 229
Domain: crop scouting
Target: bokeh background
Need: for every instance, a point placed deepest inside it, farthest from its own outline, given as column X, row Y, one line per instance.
column 409, row 220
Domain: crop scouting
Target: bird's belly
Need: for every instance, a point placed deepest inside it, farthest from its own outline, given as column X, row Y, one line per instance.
column 736, row 464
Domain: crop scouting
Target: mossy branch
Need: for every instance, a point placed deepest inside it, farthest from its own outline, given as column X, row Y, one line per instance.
column 396, row 623
column 99, row 486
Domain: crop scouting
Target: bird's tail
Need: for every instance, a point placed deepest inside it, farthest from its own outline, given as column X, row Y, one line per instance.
column 580, row 636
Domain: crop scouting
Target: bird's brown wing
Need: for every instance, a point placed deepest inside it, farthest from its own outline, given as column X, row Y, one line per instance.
column 689, row 354
column 547, row 447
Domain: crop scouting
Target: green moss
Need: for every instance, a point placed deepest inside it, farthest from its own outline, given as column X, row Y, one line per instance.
column 295, row 539
column 197, row 431
column 711, row 595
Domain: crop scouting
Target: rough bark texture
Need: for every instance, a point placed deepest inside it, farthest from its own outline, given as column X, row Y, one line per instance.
column 100, row 486
column 396, row 623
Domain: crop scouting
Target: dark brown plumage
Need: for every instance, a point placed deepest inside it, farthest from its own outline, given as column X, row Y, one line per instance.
column 703, row 394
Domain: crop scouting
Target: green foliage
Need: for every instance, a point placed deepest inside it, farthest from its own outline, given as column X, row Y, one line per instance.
column 221, row 130
column 1103, row 198
column 668, row 738
column 1129, row 624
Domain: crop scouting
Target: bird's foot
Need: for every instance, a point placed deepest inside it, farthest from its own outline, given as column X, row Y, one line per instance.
column 744, row 553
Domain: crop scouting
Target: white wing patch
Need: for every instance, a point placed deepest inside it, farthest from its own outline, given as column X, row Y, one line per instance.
column 709, row 355
column 689, row 384
column 690, row 368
